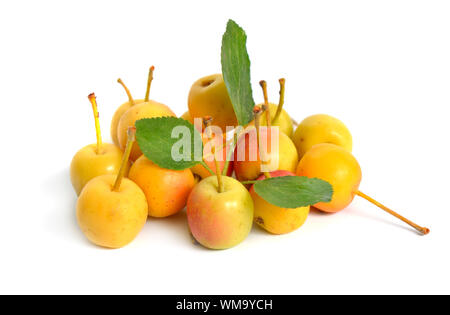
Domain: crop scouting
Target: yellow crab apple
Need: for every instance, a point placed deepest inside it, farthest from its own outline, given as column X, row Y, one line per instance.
column 121, row 110
column 166, row 190
column 146, row 109
column 321, row 128
column 209, row 97
column 112, row 210
column 340, row 168
column 95, row 159
column 277, row 220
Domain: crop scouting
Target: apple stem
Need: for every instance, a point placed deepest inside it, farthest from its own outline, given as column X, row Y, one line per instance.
column 257, row 114
column 232, row 143
column 130, row 98
column 93, row 101
column 266, row 106
column 422, row 230
column 229, row 154
column 207, row 122
column 281, row 101
column 131, row 133
column 149, row 83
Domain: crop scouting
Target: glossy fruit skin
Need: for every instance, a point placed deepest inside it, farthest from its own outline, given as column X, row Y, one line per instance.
column 284, row 121
column 116, row 117
column 166, row 190
column 251, row 170
column 111, row 219
column 274, row 219
column 148, row 109
column 200, row 170
column 87, row 164
column 220, row 220
column 337, row 166
column 209, row 97
column 321, row 128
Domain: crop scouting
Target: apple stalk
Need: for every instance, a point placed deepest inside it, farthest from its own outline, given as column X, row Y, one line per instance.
column 207, row 122
column 131, row 133
column 98, row 133
column 419, row 228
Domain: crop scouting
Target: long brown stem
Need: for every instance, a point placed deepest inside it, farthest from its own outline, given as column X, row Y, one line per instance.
column 207, row 122
column 266, row 106
column 422, row 230
column 149, row 83
column 131, row 133
column 257, row 114
column 98, row 133
column 281, row 101
column 130, row 98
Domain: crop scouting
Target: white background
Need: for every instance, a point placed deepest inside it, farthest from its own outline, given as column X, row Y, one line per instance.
column 383, row 67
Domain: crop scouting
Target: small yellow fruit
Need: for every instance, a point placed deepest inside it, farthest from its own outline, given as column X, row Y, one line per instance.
column 143, row 110
column 133, row 110
column 116, row 118
column 284, row 121
column 220, row 220
column 166, row 190
column 321, row 128
column 274, row 219
column 111, row 218
column 337, row 166
column 87, row 164
column 246, row 169
column 95, row 159
column 209, row 97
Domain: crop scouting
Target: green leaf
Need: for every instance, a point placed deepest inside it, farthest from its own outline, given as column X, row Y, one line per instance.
column 236, row 72
column 294, row 191
column 159, row 137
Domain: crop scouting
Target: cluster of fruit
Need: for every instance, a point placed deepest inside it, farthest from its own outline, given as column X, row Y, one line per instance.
column 121, row 184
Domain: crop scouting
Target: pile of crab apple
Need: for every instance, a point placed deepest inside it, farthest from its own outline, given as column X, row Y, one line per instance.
column 118, row 187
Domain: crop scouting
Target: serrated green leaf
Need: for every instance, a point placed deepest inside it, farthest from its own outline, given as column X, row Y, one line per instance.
column 236, row 72
column 294, row 191
column 157, row 141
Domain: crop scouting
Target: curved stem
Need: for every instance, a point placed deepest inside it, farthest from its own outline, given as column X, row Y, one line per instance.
column 130, row 98
column 422, row 230
column 93, row 101
column 266, row 106
column 126, row 156
column 149, row 83
column 281, row 101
